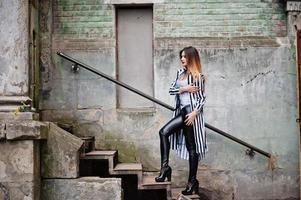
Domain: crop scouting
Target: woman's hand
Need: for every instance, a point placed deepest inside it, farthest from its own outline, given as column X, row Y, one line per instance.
column 190, row 117
column 189, row 88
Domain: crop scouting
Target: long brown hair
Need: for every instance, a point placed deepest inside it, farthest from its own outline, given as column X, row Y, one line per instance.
column 193, row 60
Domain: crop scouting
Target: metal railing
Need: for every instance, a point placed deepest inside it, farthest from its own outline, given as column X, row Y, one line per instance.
column 252, row 149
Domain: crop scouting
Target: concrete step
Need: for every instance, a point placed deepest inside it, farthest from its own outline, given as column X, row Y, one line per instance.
column 8, row 108
column 146, row 181
column 128, row 167
column 111, row 156
column 177, row 195
column 13, row 99
column 98, row 154
column 149, row 183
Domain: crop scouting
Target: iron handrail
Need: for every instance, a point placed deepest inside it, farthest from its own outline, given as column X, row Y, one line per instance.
column 227, row 135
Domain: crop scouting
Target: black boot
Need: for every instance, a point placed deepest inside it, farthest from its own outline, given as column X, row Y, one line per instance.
column 192, row 186
column 165, row 172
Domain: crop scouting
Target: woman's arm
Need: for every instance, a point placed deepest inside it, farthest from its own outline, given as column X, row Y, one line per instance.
column 173, row 90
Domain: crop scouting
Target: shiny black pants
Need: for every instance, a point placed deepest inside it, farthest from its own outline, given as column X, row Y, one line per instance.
column 171, row 127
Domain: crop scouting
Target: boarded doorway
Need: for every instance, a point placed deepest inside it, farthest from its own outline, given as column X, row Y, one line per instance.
column 135, row 55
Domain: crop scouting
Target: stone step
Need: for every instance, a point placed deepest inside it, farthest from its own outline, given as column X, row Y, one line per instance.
column 111, row 156
column 177, row 195
column 150, row 183
column 13, row 99
column 8, row 108
column 146, row 181
column 98, row 154
column 128, row 167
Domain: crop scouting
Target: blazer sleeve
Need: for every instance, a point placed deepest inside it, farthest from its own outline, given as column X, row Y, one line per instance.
column 173, row 90
column 201, row 95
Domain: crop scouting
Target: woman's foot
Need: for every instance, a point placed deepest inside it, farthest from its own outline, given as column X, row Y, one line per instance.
column 191, row 187
column 165, row 172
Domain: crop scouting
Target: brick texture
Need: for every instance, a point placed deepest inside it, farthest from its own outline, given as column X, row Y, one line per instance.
column 83, row 19
column 219, row 18
column 90, row 24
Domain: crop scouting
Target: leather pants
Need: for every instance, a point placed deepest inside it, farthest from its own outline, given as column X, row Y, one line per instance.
column 171, row 127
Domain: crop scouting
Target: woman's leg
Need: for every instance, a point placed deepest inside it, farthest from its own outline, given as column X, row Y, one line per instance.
column 193, row 156
column 171, row 127
column 193, row 184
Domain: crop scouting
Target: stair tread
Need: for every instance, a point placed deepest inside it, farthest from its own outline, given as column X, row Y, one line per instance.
column 150, row 180
column 128, row 167
column 187, row 197
column 176, row 192
column 100, row 153
column 86, row 137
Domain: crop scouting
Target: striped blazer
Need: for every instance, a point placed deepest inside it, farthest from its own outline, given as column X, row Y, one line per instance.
column 197, row 101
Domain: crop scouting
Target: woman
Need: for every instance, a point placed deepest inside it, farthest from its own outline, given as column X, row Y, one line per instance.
column 187, row 127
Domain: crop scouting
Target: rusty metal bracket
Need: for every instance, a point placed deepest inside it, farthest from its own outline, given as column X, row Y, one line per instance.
column 250, row 152
column 75, row 67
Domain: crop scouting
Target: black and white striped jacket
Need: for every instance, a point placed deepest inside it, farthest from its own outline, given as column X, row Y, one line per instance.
column 197, row 101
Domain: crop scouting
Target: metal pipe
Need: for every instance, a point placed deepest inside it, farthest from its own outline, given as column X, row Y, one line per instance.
column 237, row 140
column 89, row 68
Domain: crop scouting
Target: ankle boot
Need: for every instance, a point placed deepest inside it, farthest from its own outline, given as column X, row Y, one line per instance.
column 165, row 172
column 191, row 187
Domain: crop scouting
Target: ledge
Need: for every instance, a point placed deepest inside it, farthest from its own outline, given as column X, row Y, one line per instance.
column 13, row 99
column 11, row 116
column 293, row 6
column 131, row 2
column 217, row 42
column 136, row 110
column 23, row 130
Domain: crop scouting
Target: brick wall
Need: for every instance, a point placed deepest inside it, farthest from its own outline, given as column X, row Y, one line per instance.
column 83, row 19
column 91, row 24
column 83, row 24
column 219, row 18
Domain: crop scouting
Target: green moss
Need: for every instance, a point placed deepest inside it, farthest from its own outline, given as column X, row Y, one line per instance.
column 127, row 151
column 293, row 50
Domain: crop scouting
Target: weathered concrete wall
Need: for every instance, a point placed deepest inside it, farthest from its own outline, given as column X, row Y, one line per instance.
column 19, row 170
column 60, row 154
column 251, row 82
column 71, row 189
column 14, row 48
column 20, row 158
